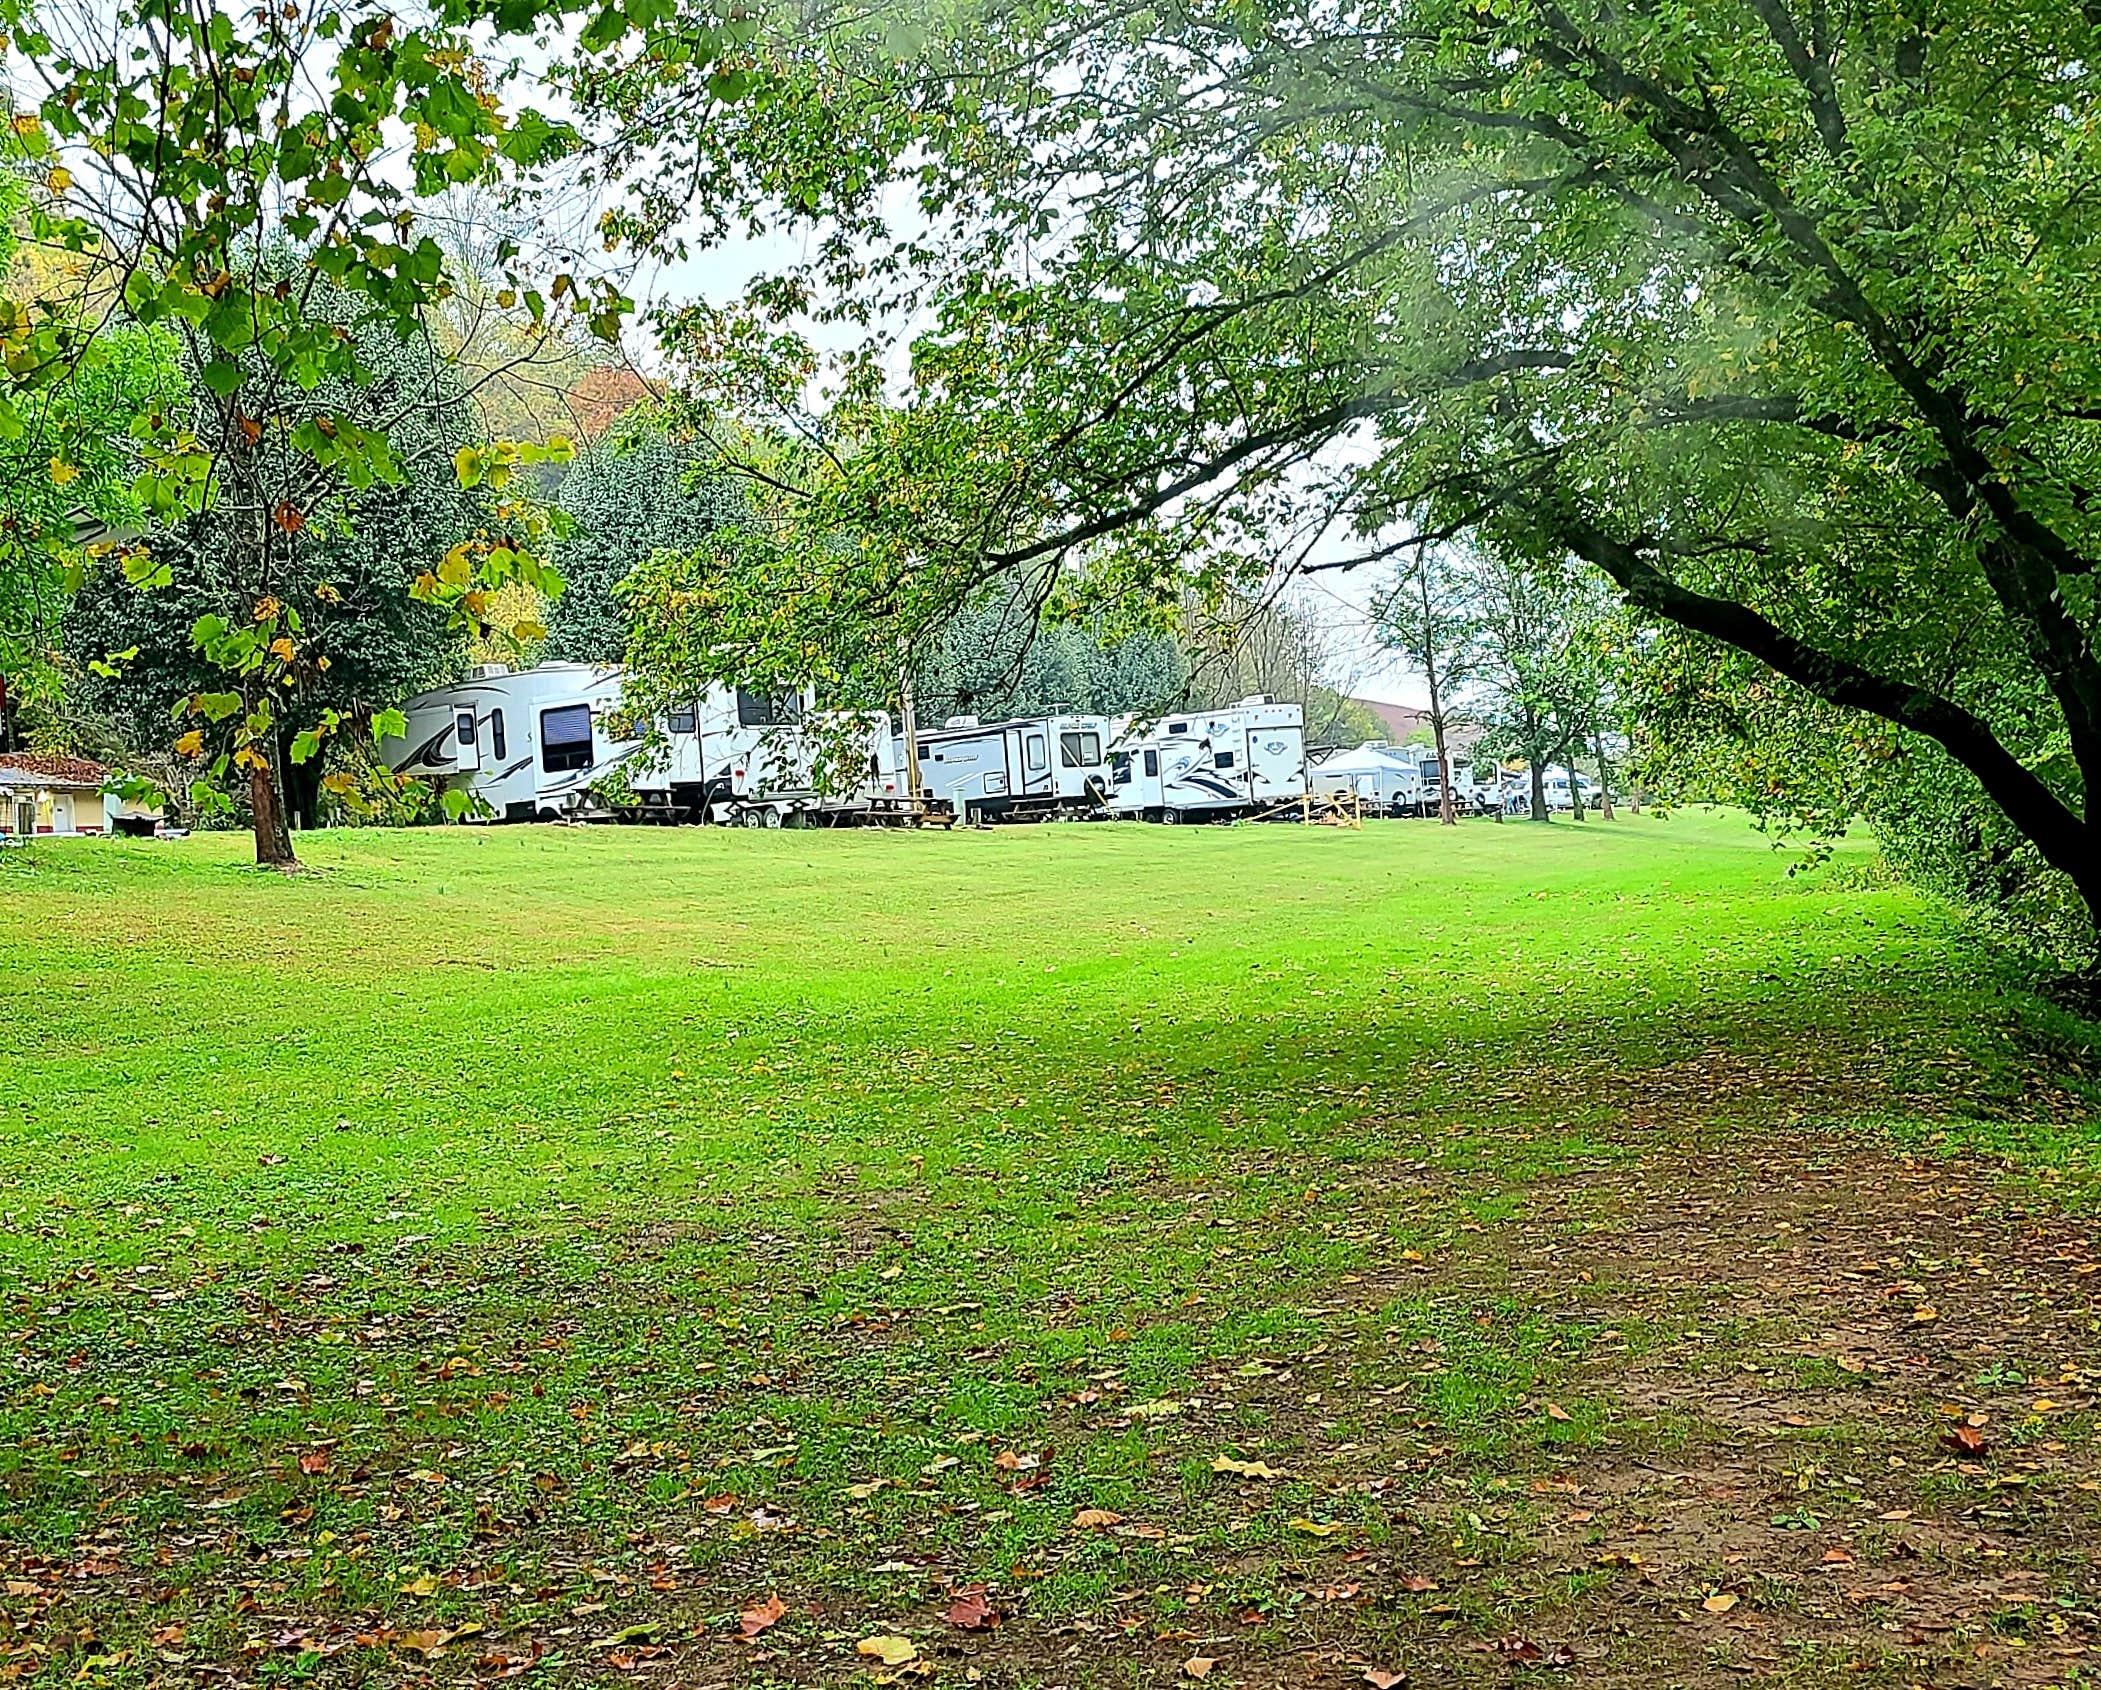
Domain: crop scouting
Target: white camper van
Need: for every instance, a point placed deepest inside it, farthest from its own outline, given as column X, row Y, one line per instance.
column 1209, row 764
column 1033, row 766
column 526, row 744
column 1384, row 781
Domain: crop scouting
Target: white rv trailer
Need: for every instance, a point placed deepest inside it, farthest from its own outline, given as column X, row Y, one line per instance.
column 751, row 758
column 1209, row 764
column 1385, row 782
column 1033, row 766
column 526, row 744
column 530, row 744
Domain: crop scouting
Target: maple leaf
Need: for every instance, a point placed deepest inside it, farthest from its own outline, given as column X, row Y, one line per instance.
column 760, row 1615
column 315, row 1461
column 891, row 1651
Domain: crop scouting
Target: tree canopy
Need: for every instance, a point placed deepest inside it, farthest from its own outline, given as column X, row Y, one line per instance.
column 1778, row 314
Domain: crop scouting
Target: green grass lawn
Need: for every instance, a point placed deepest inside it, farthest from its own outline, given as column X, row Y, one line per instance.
column 494, row 1252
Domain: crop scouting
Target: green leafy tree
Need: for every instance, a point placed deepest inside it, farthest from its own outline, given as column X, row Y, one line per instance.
column 1778, row 313
column 999, row 658
column 1423, row 614
column 232, row 176
column 67, row 462
column 363, row 639
column 629, row 495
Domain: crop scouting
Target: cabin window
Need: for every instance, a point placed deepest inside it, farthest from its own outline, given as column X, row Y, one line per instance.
column 565, row 737
column 1152, row 764
column 767, row 709
column 463, row 725
column 1079, row 750
column 496, row 739
column 1034, row 755
column 1224, row 760
column 685, row 721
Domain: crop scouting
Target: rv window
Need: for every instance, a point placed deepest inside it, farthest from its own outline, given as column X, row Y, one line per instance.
column 464, row 727
column 767, row 710
column 1119, row 768
column 1033, row 755
column 685, row 721
column 1152, row 763
column 565, row 737
column 1224, row 760
column 496, row 734
column 1079, row 751
column 1177, row 727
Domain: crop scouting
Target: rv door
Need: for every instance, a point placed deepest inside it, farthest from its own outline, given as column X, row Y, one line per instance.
column 466, row 733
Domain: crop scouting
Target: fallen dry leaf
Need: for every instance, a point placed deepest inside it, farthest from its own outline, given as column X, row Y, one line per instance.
column 971, row 1612
column 1380, row 1679
column 1319, row 1528
column 1556, row 1412
column 891, row 1651
column 1720, row 1603
column 315, row 1461
column 760, row 1615
column 1096, row 1519
column 1966, row 1440
column 1199, row 1666
column 1246, row 1469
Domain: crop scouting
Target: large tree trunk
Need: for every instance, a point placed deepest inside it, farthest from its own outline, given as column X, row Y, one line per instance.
column 1604, row 778
column 1539, row 790
column 1447, row 805
column 273, row 841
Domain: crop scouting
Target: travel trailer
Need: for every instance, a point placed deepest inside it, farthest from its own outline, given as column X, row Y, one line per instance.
column 1386, row 782
column 1031, row 767
column 752, row 759
column 1209, row 764
column 531, row 744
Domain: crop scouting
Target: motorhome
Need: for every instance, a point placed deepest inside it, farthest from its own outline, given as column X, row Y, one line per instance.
column 1209, row 764
column 1031, row 767
column 1384, row 781
column 540, row 744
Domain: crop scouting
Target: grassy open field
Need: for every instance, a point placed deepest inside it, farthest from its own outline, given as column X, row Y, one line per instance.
column 1052, row 1257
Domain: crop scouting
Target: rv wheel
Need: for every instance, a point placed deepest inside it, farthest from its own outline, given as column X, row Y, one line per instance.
column 1171, row 817
column 752, row 818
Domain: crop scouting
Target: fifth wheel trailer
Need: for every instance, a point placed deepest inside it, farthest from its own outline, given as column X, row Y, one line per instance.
column 533, row 744
column 1209, row 764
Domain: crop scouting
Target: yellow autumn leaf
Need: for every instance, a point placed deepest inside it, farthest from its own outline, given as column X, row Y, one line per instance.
column 63, row 472
column 891, row 1651
column 1319, row 1528
column 58, row 179
column 1719, row 1604
column 190, row 744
